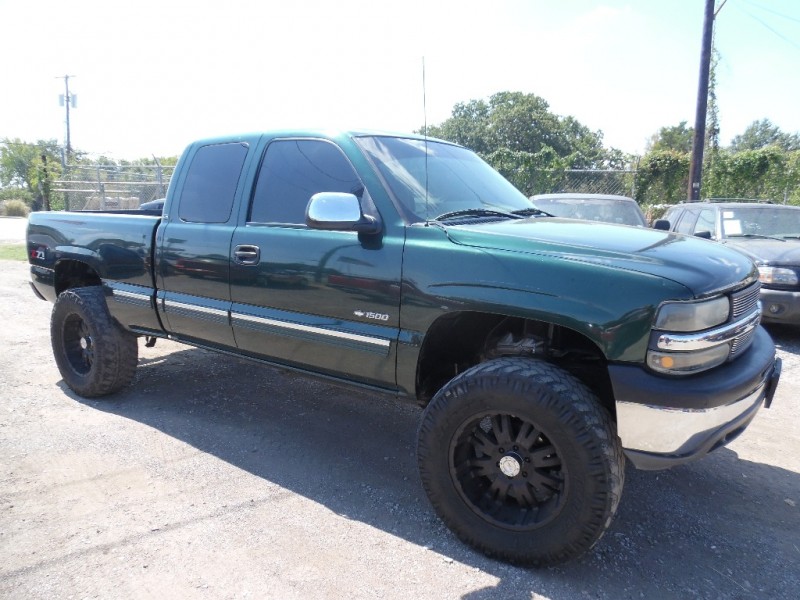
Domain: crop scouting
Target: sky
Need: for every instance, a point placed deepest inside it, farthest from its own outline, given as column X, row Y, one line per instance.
column 150, row 76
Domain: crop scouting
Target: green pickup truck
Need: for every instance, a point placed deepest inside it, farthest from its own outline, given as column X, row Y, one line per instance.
column 544, row 350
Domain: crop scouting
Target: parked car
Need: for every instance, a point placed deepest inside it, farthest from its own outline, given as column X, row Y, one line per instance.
column 767, row 233
column 592, row 207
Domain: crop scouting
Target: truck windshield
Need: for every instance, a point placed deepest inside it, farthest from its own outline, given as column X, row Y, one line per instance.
column 452, row 179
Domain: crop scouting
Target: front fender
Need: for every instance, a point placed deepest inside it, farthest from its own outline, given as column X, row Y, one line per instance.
column 614, row 308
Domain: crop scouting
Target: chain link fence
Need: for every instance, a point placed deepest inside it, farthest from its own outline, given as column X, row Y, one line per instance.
column 586, row 181
column 112, row 187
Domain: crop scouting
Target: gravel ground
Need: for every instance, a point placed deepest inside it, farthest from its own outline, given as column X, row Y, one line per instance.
column 212, row 477
column 12, row 229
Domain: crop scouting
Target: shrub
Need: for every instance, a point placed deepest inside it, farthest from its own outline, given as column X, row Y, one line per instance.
column 14, row 193
column 16, row 208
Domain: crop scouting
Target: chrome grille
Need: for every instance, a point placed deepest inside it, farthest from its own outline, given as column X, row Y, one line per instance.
column 744, row 301
column 741, row 342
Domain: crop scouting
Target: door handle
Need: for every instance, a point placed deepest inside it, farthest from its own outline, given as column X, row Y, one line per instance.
column 247, row 254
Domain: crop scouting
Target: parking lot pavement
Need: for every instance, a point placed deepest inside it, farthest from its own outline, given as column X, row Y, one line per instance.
column 12, row 230
column 212, row 477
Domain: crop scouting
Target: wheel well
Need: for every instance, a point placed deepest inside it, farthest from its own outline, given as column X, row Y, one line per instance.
column 73, row 273
column 458, row 341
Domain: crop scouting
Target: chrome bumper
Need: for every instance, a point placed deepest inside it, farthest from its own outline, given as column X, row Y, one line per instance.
column 661, row 430
column 665, row 421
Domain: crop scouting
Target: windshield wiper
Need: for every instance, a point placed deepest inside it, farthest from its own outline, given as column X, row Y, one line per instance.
column 531, row 212
column 476, row 212
column 757, row 235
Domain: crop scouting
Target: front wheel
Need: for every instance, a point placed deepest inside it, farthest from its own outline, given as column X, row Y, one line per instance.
column 521, row 461
column 94, row 354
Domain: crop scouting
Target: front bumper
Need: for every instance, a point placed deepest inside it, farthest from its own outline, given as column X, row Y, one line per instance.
column 666, row 421
column 780, row 306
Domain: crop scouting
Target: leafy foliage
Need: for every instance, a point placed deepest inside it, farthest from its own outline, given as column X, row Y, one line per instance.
column 15, row 208
column 766, row 173
column 662, row 177
column 677, row 138
column 31, row 167
column 530, row 172
column 15, row 193
column 522, row 123
column 760, row 134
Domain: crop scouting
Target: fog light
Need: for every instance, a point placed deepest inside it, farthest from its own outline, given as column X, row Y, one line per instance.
column 774, row 309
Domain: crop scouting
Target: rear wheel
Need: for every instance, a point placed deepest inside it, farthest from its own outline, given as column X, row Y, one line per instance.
column 94, row 354
column 520, row 460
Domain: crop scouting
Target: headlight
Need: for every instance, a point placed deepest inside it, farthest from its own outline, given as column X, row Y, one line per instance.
column 693, row 316
column 777, row 276
column 686, row 363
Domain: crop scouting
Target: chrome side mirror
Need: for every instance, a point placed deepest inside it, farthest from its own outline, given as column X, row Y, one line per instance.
column 336, row 211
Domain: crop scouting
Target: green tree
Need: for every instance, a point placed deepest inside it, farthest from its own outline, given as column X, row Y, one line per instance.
column 468, row 126
column 32, row 167
column 760, row 134
column 519, row 122
column 675, row 138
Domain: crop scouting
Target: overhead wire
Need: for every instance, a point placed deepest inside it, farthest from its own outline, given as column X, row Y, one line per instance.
column 767, row 25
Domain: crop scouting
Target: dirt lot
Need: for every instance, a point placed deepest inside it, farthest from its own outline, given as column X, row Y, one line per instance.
column 213, row 477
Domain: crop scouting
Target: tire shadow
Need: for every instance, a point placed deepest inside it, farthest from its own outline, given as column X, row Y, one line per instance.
column 716, row 528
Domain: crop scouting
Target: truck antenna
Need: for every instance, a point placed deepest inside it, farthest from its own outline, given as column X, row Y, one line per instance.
column 425, row 133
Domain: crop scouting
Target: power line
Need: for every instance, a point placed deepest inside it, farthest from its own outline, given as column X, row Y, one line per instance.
column 773, row 11
column 779, row 34
column 767, row 25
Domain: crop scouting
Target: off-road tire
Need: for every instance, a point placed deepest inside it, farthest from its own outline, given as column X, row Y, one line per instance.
column 94, row 354
column 521, row 461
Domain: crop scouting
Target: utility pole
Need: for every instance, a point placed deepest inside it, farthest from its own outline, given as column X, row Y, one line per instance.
column 66, row 100
column 698, row 142
column 44, row 187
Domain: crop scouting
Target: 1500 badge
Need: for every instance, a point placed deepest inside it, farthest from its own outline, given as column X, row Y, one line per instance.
column 371, row 315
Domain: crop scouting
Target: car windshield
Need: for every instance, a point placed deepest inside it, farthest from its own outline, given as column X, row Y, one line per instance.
column 430, row 179
column 761, row 221
column 608, row 210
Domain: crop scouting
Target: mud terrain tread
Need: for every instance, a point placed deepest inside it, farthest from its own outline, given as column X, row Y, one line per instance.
column 543, row 388
column 115, row 349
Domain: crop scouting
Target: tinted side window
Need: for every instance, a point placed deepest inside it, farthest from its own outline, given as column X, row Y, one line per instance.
column 706, row 222
column 211, row 181
column 292, row 172
column 686, row 224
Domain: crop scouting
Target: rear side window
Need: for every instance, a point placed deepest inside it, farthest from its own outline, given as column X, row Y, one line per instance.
column 706, row 222
column 211, row 181
column 686, row 223
column 294, row 170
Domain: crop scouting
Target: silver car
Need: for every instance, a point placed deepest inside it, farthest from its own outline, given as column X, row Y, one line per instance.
column 607, row 208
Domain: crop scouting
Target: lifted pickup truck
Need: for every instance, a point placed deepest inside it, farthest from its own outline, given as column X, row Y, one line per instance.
column 544, row 350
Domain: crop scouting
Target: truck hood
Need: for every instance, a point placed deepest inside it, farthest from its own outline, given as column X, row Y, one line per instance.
column 771, row 252
column 700, row 265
